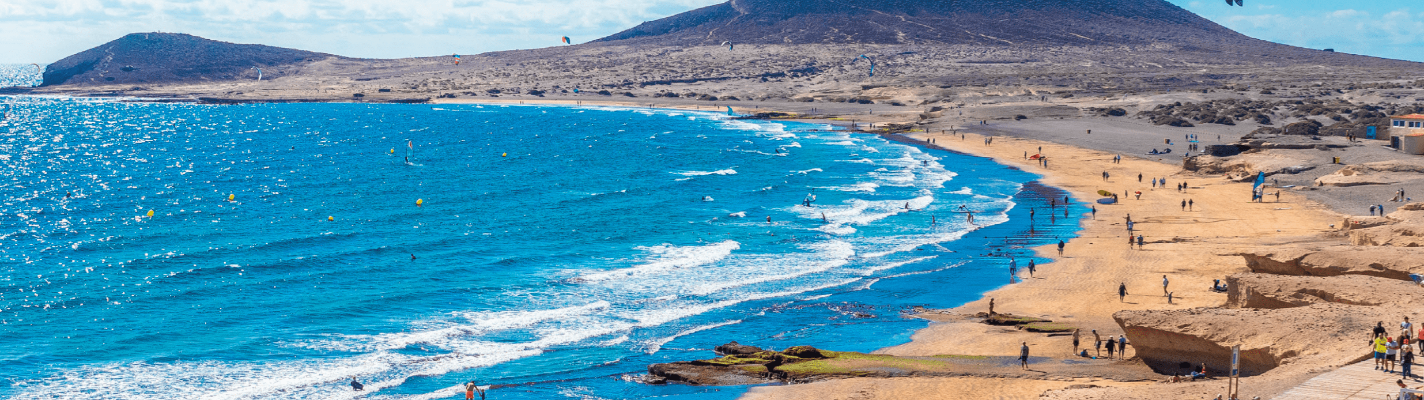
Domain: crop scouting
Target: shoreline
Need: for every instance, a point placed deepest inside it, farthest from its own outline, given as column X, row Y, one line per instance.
column 1191, row 247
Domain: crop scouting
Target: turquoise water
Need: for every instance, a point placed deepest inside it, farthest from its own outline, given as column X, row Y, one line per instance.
column 20, row 75
column 557, row 252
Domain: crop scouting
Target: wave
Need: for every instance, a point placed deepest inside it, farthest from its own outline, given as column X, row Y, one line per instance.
column 728, row 171
column 669, row 257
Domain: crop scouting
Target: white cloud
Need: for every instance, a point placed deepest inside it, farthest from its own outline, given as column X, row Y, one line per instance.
column 46, row 30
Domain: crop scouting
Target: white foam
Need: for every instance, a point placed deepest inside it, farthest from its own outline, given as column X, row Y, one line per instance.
column 893, row 265
column 657, row 344
column 727, row 171
column 858, row 187
column 666, row 256
column 808, row 171
column 738, row 214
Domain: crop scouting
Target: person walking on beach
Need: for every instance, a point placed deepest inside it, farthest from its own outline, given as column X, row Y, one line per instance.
column 1013, row 269
column 1164, row 285
column 1105, row 176
column 1139, row 242
column 1060, row 247
column 1030, row 268
column 1380, row 345
column 1122, row 346
column 1095, row 213
column 1406, row 359
column 1078, row 332
column 1372, row 211
column 1169, row 297
column 1129, row 241
column 1023, row 356
column 1391, row 353
column 1191, row 203
column 1154, row 182
column 1184, row 205
column 1122, row 292
column 1139, row 177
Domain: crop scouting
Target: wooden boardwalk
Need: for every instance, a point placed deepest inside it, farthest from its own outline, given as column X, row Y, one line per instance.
column 1358, row 381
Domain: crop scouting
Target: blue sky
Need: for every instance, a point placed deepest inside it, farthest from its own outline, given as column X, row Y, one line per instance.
column 43, row 31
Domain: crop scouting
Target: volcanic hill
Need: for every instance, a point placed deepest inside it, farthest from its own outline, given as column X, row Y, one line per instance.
column 144, row 58
column 980, row 22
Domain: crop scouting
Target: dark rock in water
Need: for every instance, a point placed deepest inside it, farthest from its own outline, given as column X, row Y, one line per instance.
column 694, row 373
column 172, row 58
column 736, row 349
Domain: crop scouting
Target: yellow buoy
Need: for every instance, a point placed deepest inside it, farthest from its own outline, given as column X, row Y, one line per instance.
column 419, row 201
column 150, row 213
column 231, row 196
column 393, row 150
column 504, row 155
column 330, row 218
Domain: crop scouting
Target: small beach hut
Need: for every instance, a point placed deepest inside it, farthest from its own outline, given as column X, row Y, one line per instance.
column 1412, row 143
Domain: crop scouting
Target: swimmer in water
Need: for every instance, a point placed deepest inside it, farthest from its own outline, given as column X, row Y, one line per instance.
column 412, row 257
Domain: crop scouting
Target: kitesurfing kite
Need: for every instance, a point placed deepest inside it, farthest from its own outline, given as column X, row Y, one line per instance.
column 567, row 41
column 259, row 73
column 728, row 44
column 1238, row 3
column 457, row 58
column 872, row 63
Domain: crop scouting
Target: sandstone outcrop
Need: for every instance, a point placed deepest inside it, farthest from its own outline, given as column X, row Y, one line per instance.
column 1386, row 262
column 1282, row 291
column 1397, row 235
column 1321, row 334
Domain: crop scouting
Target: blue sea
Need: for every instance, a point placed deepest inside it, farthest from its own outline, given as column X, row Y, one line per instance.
column 553, row 252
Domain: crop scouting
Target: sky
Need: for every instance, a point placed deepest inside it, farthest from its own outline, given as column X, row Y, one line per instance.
column 43, row 31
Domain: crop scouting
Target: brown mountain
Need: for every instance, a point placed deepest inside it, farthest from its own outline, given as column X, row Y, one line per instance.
column 141, row 58
column 982, row 22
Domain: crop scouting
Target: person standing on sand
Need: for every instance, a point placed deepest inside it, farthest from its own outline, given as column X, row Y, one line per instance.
column 1405, row 328
column 1129, row 241
column 1060, row 247
column 1164, row 285
column 1372, row 211
column 1110, row 345
column 1184, row 205
column 1139, row 177
column 991, row 306
column 1023, row 356
column 1154, row 182
column 1097, row 344
column 1190, row 204
column 1169, row 297
column 1030, row 268
column 1122, row 292
column 1095, row 213
column 1077, row 333
column 1139, row 242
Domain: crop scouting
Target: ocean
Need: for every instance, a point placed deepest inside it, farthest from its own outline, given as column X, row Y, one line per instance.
column 554, row 252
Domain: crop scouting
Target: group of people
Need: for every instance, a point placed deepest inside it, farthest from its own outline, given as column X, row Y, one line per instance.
column 1113, row 345
column 1390, row 352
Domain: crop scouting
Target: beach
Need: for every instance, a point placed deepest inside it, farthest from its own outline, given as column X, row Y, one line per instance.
column 1191, row 247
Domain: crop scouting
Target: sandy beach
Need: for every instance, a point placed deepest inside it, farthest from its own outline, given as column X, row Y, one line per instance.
column 1191, row 247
